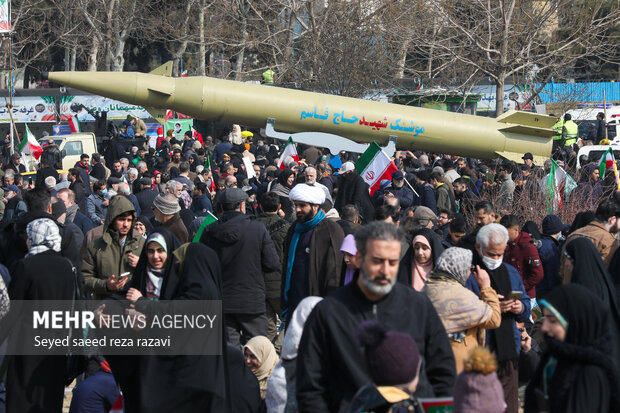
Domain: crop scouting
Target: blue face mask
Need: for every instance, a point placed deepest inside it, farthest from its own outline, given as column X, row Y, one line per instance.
column 105, row 191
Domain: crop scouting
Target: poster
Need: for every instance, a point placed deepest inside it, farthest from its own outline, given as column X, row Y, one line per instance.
column 179, row 126
column 488, row 97
column 29, row 109
column 116, row 110
column 5, row 16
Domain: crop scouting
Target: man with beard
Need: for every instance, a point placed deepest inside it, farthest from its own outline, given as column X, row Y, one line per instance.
column 400, row 190
column 504, row 341
column 109, row 257
column 464, row 197
column 484, row 214
column 330, row 362
column 312, row 260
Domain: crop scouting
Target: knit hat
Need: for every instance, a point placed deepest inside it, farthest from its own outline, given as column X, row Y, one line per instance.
column 307, row 193
column 552, row 224
column 392, row 357
column 58, row 208
column 477, row 388
column 166, row 206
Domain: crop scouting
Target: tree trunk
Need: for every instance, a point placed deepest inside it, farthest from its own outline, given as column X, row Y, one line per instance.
column 202, row 67
column 73, row 58
column 92, row 55
column 241, row 54
column 499, row 95
column 67, row 59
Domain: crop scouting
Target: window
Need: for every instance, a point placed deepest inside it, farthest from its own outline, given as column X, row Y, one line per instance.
column 73, row 148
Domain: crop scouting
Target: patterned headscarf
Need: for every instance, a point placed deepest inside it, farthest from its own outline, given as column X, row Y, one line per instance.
column 455, row 263
column 43, row 235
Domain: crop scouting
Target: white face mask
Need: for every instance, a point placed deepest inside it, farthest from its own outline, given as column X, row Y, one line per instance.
column 490, row 262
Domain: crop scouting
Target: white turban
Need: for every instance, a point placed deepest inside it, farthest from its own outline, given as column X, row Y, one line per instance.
column 307, row 193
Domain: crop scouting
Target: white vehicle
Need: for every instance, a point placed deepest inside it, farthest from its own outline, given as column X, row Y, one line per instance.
column 587, row 116
column 72, row 146
column 595, row 152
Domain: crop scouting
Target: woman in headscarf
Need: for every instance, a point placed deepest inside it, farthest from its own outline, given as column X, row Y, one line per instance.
column 36, row 382
column 282, row 382
column 261, row 357
column 576, row 374
column 282, row 187
column 463, row 314
column 581, row 220
column 419, row 260
column 350, row 270
column 590, row 272
column 143, row 226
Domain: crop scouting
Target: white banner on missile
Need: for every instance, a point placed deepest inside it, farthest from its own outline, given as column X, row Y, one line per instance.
column 116, row 109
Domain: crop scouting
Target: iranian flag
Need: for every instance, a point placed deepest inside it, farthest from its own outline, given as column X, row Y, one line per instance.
column 607, row 161
column 168, row 115
column 559, row 186
column 374, row 166
column 29, row 145
column 289, row 150
column 209, row 219
column 74, row 124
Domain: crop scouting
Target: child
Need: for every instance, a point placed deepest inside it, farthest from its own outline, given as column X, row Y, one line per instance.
column 393, row 361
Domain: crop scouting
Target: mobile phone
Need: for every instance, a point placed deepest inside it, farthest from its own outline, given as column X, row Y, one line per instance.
column 125, row 274
column 30, row 181
column 514, row 295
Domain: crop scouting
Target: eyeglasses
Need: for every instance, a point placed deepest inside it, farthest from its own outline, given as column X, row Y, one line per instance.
column 521, row 330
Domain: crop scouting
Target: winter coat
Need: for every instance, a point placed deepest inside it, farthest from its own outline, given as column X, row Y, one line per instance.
column 95, row 208
column 404, row 195
column 330, row 363
column 444, row 200
column 371, row 398
column 426, row 197
column 549, row 252
column 483, row 314
column 353, row 190
column 605, row 243
column 277, row 229
column 145, row 198
column 36, row 382
column 106, row 256
column 245, row 250
column 325, row 258
column 178, row 228
column 523, row 255
column 79, row 189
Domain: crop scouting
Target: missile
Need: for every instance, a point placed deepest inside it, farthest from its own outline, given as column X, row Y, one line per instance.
column 322, row 119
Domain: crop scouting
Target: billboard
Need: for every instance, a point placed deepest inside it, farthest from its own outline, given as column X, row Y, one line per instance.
column 116, row 110
column 5, row 16
column 30, row 109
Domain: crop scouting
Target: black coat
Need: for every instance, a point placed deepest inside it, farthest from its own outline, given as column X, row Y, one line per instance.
column 353, row 190
column 245, row 250
column 330, row 363
column 145, row 198
column 585, row 378
column 79, row 189
column 36, row 383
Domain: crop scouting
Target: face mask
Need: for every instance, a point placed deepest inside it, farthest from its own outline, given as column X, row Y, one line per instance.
column 105, row 191
column 490, row 262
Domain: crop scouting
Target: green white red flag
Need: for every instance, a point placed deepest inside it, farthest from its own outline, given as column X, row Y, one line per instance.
column 559, row 186
column 74, row 124
column 289, row 150
column 374, row 166
column 29, row 145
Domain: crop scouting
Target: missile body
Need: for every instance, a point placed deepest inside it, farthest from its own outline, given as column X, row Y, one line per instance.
column 362, row 121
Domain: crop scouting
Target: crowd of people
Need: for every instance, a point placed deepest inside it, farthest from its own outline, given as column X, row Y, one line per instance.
column 334, row 298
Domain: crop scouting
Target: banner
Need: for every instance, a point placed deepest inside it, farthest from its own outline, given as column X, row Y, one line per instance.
column 116, row 110
column 179, row 126
column 29, row 109
column 5, row 16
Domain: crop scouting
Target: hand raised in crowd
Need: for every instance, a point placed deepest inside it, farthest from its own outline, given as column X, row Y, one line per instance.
column 115, row 283
column 526, row 340
column 132, row 259
column 482, row 277
column 106, row 202
column 133, row 295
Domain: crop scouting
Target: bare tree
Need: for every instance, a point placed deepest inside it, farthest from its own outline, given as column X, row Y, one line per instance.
column 499, row 39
